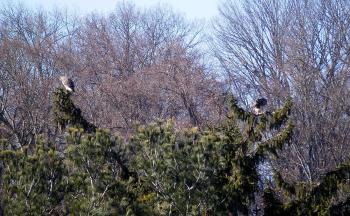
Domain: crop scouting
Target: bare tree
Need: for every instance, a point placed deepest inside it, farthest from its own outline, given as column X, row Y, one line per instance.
column 293, row 48
column 134, row 63
column 29, row 51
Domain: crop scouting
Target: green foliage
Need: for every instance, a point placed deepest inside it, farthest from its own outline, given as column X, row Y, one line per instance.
column 99, row 173
column 207, row 172
column 342, row 208
column 161, row 171
column 90, row 177
column 171, row 169
column 313, row 199
column 87, row 180
column 33, row 182
column 67, row 114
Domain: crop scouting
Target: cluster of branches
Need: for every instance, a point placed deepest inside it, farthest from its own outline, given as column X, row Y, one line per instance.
column 163, row 171
column 130, row 66
column 137, row 66
column 297, row 48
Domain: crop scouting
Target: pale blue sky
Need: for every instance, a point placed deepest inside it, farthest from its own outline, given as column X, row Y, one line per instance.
column 193, row 9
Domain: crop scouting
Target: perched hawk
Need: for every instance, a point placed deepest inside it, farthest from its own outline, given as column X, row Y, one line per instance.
column 258, row 107
column 67, row 83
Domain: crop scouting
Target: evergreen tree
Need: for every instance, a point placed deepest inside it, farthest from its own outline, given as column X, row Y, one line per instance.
column 67, row 114
column 97, row 165
column 208, row 172
column 312, row 199
column 90, row 177
column 33, row 182
column 171, row 170
column 100, row 175
column 163, row 171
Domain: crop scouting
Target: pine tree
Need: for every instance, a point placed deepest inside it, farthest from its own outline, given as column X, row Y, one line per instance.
column 163, row 171
column 170, row 168
column 33, row 182
column 209, row 172
column 67, row 114
column 98, row 169
column 90, row 176
column 312, row 199
column 246, row 140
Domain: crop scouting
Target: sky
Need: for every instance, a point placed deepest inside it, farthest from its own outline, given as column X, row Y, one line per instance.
column 193, row 9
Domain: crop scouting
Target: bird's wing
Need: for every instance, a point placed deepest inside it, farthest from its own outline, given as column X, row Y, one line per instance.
column 70, row 84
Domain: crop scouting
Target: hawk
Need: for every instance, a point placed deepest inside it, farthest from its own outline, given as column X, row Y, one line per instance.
column 259, row 105
column 67, row 83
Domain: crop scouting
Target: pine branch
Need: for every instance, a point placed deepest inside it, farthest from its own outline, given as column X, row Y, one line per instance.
column 66, row 113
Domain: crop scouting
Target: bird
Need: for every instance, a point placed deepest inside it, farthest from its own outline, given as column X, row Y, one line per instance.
column 67, row 83
column 259, row 106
